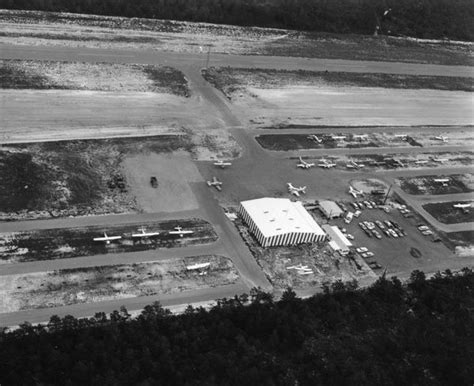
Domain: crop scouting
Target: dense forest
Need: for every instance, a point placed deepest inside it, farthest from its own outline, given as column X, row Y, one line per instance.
column 421, row 333
column 453, row 19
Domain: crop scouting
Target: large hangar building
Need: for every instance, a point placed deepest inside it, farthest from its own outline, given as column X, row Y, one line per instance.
column 279, row 221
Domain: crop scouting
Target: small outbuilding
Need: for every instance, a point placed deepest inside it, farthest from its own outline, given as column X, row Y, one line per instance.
column 337, row 240
column 279, row 221
column 330, row 209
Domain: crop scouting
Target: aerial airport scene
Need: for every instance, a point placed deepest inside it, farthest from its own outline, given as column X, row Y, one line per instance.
column 146, row 160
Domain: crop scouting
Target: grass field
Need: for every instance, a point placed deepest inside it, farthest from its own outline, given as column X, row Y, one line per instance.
column 65, row 178
column 62, row 243
column 457, row 183
column 95, row 284
column 232, row 80
column 30, row 74
column 445, row 212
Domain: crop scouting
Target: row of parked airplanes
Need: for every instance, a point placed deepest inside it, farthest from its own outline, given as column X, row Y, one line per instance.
column 143, row 234
column 365, row 137
column 327, row 164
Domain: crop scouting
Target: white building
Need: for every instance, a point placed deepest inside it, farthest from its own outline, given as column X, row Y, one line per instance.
column 279, row 221
column 337, row 240
column 330, row 209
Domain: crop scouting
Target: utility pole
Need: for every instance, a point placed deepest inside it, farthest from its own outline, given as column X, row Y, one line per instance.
column 388, row 192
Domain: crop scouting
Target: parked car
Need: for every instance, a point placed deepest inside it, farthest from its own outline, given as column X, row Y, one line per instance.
column 349, row 236
column 393, row 233
column 361, row 249
column 357, row 213
column 369, row 254
column 376, row 234
column 388, row 223
column 379, row 224
column 153, row 182
column 356, row 207
column 368, row 233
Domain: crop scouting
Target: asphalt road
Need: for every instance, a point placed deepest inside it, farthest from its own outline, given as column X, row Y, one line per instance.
column 199, row 60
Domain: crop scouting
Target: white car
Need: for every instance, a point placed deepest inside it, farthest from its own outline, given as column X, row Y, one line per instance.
column 361, row 249
column 369, row 254
column 349, row 236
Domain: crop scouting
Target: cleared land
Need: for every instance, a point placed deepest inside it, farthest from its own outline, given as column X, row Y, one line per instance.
column 269, row 101
column 32, row 74
column 75, row 30
column 67, row 178
column 457, row 183
column 95, row 284
column 445, row 212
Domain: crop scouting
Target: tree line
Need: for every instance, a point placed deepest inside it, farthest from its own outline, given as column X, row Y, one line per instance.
column 421, row 18
column 387, row 334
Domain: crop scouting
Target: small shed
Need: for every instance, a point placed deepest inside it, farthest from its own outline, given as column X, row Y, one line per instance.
column 330, row 209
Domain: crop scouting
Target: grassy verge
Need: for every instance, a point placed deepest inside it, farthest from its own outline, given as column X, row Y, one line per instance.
column 231, row 80
column 95, row 284
column 30, row 74
column 445, row 212
column 61, row 243
column 67, row 178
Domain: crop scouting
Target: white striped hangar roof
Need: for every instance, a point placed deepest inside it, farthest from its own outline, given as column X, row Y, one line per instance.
column 276, row 216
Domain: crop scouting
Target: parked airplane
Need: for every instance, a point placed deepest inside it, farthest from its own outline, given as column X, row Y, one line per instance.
column 106, row 238
column 143, row 233
column 442, row 180
column 462, row 206
column 222, row 164
column 304, row 165
column 216, row 183
column 296, row 191
column 441, row 138
column 403, row 137
column 338, row 137
column 354, row 165
column 440, row 160
column 315, row 138
column 361, row 137
column 326, row 164
column 421, row 162
column 179, row 231
column 197, row 266
column 355, row 193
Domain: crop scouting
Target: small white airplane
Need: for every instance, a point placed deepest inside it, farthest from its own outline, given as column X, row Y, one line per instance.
column 179, row 231
column 403, row 137
column 296, row 191
column 106, row 238
column 143, row 233
column 304, row 165
column 355, row 193
column 421, row 162
column 440, row 160
column 354, row 165
column 338, row 137
column 197, row 266
column 361, row 137
column 442, row 180
column 326, row 164
column 222, row 164
column 462, row 206
column 216, row 183
column 441, row 138
column 315, row 138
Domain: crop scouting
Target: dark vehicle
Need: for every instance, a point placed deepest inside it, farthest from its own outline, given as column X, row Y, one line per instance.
column 153, row 182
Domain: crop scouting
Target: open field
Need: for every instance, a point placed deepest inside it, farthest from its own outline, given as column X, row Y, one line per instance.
column 75, row 242
column 67, row 178
column 445, row 212
column 327, row 266
column 95, row 284
column 455, row 183
column 461, row 242
column 233, row 81
column 31, row 74
column 76, row 30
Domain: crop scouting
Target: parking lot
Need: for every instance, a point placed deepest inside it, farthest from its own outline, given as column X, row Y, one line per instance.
column 398, row 254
